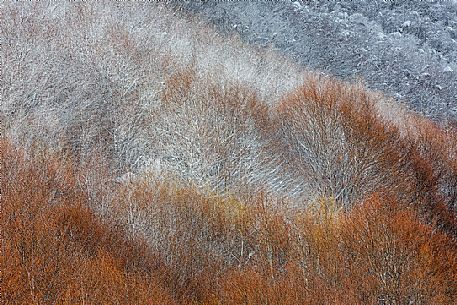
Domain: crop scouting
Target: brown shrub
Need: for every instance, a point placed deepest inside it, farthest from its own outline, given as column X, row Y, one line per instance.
column 332, row 139
column 56, row 250
column 394, row 258
column 192, row 248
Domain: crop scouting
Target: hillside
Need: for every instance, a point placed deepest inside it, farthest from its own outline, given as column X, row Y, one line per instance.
column 407, row 49
column 147, row 158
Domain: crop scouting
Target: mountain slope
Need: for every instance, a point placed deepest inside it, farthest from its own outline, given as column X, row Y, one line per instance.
column 146, row 158
column 404, row 48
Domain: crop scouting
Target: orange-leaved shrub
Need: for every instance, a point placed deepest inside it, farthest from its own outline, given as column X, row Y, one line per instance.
column 227, row 251
column 327, row 139
column 55, row 250
column 331, row 138
column 175, row 245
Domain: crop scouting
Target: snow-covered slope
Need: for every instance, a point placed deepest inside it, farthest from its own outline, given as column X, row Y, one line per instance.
column 407, row 49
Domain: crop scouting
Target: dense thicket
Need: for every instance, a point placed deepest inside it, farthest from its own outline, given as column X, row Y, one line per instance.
column 159, row 244
column 147, row 159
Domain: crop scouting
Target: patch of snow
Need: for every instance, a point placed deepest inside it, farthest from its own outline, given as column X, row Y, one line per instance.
column 359, row 18
column 406, row 24
column 342, row 15
column 297, row 5
column 345, row 33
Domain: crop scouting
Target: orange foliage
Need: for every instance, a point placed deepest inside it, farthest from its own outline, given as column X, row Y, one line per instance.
column 379, row 224
column 55, row 250
column 200, row 249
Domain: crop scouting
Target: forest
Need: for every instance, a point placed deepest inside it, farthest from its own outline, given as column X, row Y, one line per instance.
column 147, row 157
